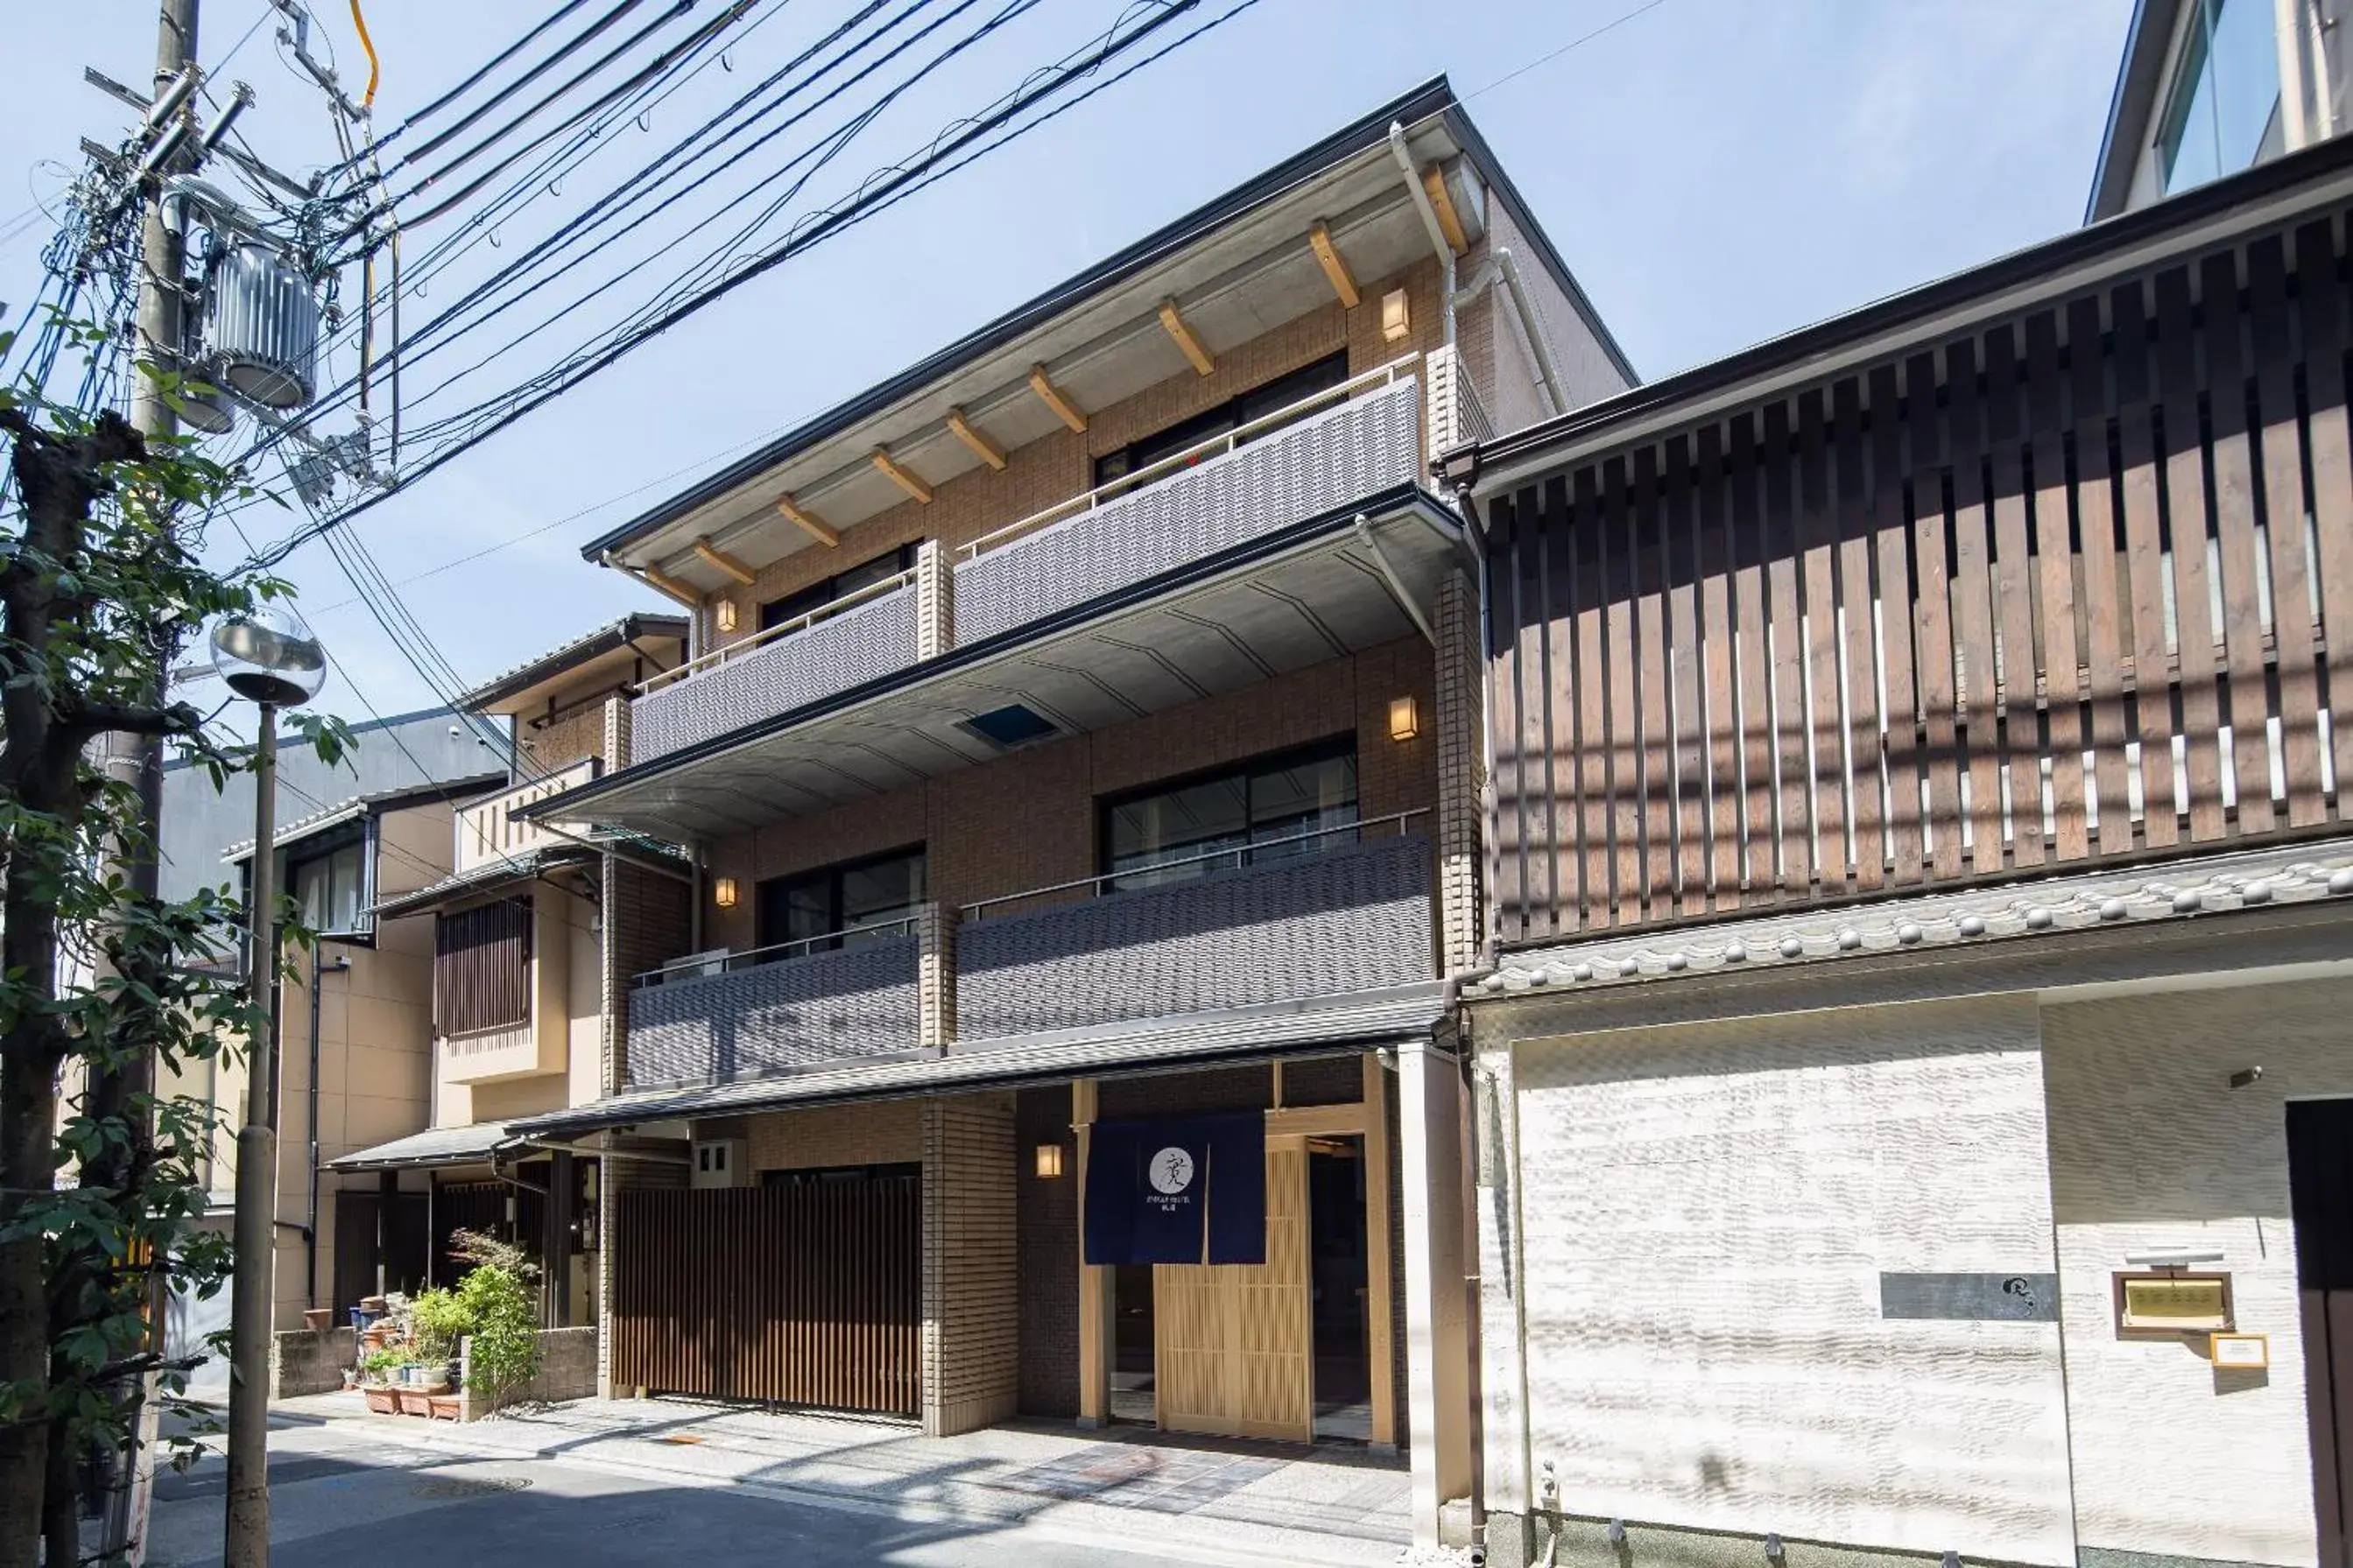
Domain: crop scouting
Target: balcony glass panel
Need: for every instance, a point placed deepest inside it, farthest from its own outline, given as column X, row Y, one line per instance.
column 731, row 1020
column 1355, row 917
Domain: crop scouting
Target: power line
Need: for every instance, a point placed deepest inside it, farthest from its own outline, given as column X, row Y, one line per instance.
column 1555, row 53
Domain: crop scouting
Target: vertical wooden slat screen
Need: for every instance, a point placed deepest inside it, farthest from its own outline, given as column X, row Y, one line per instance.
column 482, row 967
column 2038, row 593
column 806, row 1293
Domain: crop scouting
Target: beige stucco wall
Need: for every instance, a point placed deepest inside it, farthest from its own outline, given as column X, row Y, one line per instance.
column 2151, row 1148
column 1706, row 1211
column 566, row 1022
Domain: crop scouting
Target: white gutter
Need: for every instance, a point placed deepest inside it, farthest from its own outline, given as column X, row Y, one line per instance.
column 1429, row 224
column 1397, row 583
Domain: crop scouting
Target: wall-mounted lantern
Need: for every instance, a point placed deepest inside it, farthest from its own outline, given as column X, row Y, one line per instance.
column 724, row 614
column 723, row 892
column 1050, row 1161
column 1396, row 319
column 1405, row 718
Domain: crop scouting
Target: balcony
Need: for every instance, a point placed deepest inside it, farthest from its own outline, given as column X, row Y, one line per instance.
column 1357, row 439
column 721, row 1019
column 489, row 833
column 512, row 1050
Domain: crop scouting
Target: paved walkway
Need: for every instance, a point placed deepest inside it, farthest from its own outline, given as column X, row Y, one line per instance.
column 1208, row 1499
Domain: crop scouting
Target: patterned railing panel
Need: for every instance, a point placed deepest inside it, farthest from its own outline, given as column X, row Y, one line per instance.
column 773, row 1017
column 1326, row 460
column 1315, row 925
column 488, row 831
column 834, row 655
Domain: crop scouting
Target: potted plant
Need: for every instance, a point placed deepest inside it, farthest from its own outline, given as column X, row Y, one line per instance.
column 318, row 1319
column 376, row 1371
column 438, row 1321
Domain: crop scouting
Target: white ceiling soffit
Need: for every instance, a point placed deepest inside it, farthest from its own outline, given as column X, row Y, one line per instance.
column 1322, row 599
column 1238, row 283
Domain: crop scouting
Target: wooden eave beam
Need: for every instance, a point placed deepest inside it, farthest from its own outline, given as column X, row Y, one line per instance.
column 1449, row 222
column 1052, row 397
column 1335, row 266
column 808, row 523
column 1183, row 335
column 982, row 448
column 899, row 475
column 725, row 562
column 660, row 581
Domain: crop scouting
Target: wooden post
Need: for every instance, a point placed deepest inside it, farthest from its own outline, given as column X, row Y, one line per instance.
column 387, row 1197
column 556, row 1243
column 1379, row 1341
column 1094, row 1281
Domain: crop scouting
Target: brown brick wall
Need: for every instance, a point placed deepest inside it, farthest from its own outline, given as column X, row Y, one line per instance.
column 647, row 923
column 888, row 1132
column 1058, row 467
column 1028, row 820
column 971, row 1337
column 577, row 734
column 1048, row 1234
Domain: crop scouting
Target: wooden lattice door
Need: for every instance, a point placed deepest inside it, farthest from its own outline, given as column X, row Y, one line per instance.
column 1231, row 1340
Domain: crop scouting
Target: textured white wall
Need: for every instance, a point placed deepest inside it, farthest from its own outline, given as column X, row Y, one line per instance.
column 2150, row 1147
column 1707, row 1211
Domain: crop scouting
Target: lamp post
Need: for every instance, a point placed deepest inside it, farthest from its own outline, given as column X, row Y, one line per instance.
column 269, row 656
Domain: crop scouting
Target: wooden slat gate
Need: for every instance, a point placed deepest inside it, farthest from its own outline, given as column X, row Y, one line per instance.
column 806, row 1294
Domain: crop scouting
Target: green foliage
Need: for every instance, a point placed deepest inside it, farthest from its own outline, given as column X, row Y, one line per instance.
column 497, row 1294
column 438, row 1320
column 378, row 1362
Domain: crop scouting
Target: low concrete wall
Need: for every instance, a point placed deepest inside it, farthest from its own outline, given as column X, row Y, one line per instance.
column 308, row 1360
column 567, row 1370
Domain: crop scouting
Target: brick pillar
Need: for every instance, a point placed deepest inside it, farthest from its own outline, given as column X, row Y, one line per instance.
column 1462, row 775
column 971, row 1267
column 615, row 753
column 1442, row 372
column 935, row 927
column 934, row 600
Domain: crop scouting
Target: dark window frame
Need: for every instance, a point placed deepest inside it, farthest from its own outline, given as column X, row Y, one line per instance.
column 483, row 966
column 1330, row 747
column 1319, row 374
column 774, row 890
column 827, row 590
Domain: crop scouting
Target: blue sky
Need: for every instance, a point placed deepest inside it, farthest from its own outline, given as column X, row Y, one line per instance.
column 1716, row 171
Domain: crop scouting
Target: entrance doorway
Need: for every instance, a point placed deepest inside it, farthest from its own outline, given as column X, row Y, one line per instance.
column 1132, row 1341
column 1339, row 1284
column 2320, row 1201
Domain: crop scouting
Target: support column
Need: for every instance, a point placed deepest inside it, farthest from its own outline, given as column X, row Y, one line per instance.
column 935, row 928
column 971, row 1266
column 1502, row 1324
column 555, row 1238
column 1437, row 1380
column 934, row 600
column 1095, row 1281
column 1380, row 1265
column 387, row 1201
column 1461, row 768
column 615, row 754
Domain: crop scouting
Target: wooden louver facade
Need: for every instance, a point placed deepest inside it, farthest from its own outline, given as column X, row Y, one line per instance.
column 482, row 967
column 805, row 1293
column 2069, row 585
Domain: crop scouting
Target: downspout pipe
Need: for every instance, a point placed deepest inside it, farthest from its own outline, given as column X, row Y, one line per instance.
column 310, row 1229
column 1501, row 267
column 1405, row 166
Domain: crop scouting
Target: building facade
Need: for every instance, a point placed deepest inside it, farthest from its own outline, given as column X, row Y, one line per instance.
column 1912, row 1089
column 1078, row 758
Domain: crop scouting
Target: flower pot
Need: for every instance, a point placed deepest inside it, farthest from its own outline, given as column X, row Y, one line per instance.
column 318, row 1319
column 444, row 1407
column 380, row 1399
column 415, row 1401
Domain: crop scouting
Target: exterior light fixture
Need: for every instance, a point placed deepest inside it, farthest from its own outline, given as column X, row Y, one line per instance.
column 1405, row 718
column 1050, row 1161
column 723, row 892
column 1396, row 319
column 725, row 615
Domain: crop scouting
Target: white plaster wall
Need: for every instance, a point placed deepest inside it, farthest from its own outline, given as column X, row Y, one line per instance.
column 1706, row 1211
column 2150, row 1148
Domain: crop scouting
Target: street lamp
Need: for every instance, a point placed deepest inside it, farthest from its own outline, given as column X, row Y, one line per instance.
column 269, row 656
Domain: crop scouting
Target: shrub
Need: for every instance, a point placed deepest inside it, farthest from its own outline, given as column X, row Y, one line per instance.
column 438, row 1320
column 503, row 1312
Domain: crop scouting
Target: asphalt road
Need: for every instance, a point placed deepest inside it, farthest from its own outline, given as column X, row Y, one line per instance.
column 340, row 1501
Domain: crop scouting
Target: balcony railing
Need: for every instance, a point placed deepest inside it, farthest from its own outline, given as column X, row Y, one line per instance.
column 489, row 832
column 1319, row 454
column 1307, row 915
column 754, row 1015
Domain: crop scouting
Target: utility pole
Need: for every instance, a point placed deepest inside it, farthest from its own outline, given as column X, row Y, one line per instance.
column 138, row 760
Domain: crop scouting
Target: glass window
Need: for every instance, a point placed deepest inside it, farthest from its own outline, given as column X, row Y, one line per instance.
column 330, row 890
column 841, row 906
column 1258, row 811
column 1255, row 404
column 2224, row 93
column 840, row 585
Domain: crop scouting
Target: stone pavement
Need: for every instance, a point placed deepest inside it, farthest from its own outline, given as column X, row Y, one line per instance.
column 1210, row 1499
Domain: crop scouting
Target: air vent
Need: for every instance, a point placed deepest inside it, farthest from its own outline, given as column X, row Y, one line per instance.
column 1011, row 726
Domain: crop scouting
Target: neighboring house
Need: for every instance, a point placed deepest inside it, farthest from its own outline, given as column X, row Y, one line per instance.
column 1914, row 1093
column 2209, row 86
column 516, row 946
column 354, row 1050
column 1080, row 761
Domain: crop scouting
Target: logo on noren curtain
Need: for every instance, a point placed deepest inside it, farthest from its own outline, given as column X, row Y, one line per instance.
column 1171, row 1171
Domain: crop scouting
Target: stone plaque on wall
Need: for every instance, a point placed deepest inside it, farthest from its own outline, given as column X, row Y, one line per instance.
column 1970, row 1298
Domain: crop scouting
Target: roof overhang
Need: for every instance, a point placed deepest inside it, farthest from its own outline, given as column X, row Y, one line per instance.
column 1297, row 598
column 2132, row 105
column 1237, row 267
column 473, row 1144
column 1366, row 1019
column 515, row 871
column 607, row 656
column 2316, row 180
